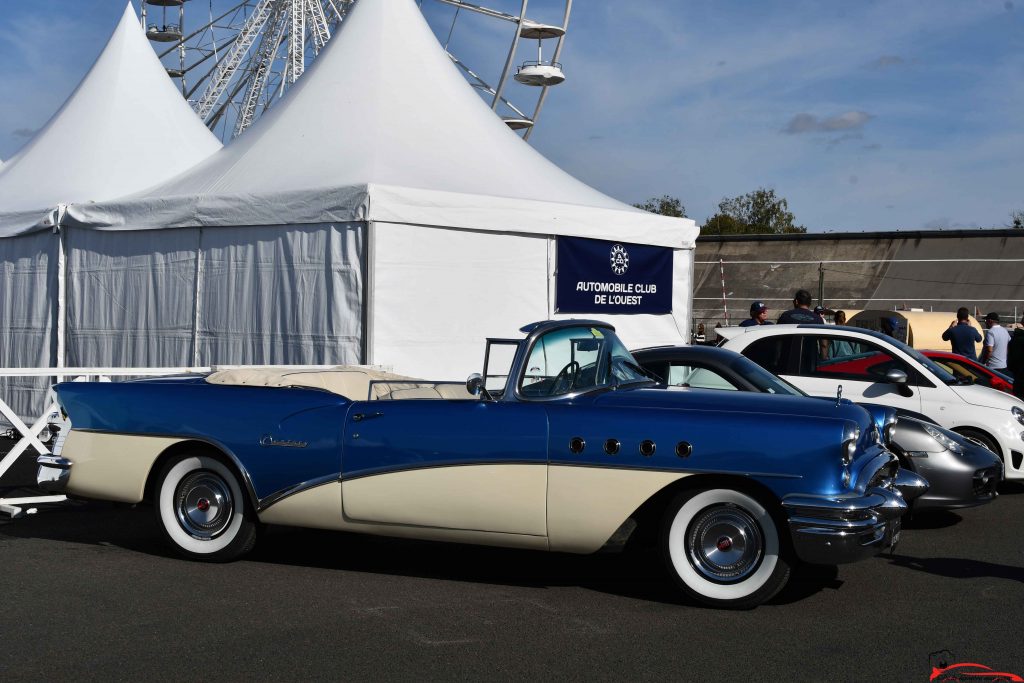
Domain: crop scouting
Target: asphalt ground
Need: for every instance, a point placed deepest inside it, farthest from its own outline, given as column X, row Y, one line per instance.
column 90, row 592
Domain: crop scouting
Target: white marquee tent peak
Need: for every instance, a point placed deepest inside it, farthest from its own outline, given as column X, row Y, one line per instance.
column 383, row 127
column 124, row 128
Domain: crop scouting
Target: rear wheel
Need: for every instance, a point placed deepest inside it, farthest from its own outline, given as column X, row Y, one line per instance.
column 202, row 510
column 723, row 548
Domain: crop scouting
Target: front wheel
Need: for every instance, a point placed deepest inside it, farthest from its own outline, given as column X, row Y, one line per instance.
column 202, row 510
column 980, row 438
column 723, row 549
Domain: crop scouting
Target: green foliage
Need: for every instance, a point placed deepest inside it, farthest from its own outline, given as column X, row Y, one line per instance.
column 665, row 205
column 1017, row 218
column 757, row 212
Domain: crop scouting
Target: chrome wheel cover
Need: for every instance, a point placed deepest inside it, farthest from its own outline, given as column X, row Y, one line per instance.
column 724, row 543
column 203, row 505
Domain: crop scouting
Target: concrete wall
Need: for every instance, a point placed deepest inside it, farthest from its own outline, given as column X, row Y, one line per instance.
column 934, row 271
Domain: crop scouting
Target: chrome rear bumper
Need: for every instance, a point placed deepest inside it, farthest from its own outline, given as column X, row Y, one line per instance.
column 53, row 473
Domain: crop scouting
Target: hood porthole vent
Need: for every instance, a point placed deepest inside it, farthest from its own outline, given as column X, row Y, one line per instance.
column 612, row 446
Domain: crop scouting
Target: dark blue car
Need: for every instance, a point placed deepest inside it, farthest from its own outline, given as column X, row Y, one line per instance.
column 563, row 443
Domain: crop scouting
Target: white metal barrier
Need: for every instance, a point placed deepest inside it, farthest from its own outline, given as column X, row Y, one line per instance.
column 30, row 434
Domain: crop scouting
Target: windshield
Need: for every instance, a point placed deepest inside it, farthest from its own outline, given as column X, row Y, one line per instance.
column 944, row 376
column 762, row 379
column 569, row 360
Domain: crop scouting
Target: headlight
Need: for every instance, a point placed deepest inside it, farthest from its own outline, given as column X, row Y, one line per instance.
column 851, row 434
column 1018, row 413
column 940, row 436
column 887, row 434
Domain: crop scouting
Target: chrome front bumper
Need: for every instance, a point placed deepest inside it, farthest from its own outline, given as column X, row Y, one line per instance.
column 53, row 473
column 841, row 529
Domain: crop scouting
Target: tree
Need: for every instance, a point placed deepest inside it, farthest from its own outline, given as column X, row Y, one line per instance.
column 665, row 205
column 1017, row 218
column 757, row 212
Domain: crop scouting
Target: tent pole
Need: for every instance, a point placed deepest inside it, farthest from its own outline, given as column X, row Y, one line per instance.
column 62, row 308
column 197, row 299
column 368, row 286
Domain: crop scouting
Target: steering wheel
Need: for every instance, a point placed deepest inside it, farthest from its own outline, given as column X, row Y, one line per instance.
column 571, row 371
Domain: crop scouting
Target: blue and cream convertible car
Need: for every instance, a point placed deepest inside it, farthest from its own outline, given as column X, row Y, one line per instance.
column 562, row 444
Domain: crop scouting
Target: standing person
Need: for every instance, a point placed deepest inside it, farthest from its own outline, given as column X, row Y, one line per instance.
column 758, row 315
column 961, row 335
column 997, row 338
column 801, row 313
column 840, row 348
column 1015, row 359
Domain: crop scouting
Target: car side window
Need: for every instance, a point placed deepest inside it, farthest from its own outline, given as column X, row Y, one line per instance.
column 773, row 353
column 687, row 375
column 963, row 371
column 847, row 358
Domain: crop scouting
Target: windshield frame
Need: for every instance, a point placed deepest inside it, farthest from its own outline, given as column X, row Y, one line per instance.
column 526, row 350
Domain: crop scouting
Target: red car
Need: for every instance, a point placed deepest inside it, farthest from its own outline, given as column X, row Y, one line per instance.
column 961, row 366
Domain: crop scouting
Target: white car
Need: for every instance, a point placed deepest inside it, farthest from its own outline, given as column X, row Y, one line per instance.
column 866, row 366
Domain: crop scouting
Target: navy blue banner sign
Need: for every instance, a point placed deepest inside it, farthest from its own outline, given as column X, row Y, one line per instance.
column 595, row 276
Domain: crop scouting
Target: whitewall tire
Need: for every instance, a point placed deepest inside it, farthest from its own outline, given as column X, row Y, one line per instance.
column 202, row 509
column 723, row 548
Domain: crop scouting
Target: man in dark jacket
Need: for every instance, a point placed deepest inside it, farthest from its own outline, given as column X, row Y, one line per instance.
column 962, row 336
column 1015, row 360
column 801, row 313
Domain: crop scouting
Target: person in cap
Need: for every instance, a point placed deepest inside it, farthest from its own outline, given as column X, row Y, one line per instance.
column 961, row 335
column 758, row 315
column 997, row 339
column 801, row 313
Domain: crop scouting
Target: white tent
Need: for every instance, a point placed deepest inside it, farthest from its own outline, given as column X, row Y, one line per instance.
column 124, row 128
column 380, row 213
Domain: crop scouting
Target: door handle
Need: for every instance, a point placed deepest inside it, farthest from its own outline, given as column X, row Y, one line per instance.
column 359, row 417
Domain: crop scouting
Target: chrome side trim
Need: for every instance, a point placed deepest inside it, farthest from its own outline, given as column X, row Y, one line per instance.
column 278, row 496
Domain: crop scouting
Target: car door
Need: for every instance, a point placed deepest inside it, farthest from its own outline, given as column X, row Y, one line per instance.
column 821, row 363
column 445, row 463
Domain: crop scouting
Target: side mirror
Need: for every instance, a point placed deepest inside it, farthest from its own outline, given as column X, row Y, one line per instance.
column 899, row 378
column 896, row 376
column 475, row 383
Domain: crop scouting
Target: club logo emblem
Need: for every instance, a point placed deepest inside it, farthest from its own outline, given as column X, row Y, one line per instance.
column 619, row 259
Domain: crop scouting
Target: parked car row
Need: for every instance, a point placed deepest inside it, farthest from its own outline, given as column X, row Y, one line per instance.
column 872, row 367
column 960, row 472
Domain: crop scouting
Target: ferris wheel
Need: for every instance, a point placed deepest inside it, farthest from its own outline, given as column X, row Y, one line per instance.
column 234, row 59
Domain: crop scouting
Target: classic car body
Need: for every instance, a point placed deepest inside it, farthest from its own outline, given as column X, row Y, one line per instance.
column 566, row 446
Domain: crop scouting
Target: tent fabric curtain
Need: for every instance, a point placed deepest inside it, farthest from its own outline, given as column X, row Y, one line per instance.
column 267, row 295
column 28, row 309
column 282, row 295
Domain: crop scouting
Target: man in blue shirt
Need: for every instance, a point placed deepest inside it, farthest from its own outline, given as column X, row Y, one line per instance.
column 758, row 315
column 962, row 336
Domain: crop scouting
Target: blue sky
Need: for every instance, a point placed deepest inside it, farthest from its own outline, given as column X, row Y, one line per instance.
column 863, row 115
